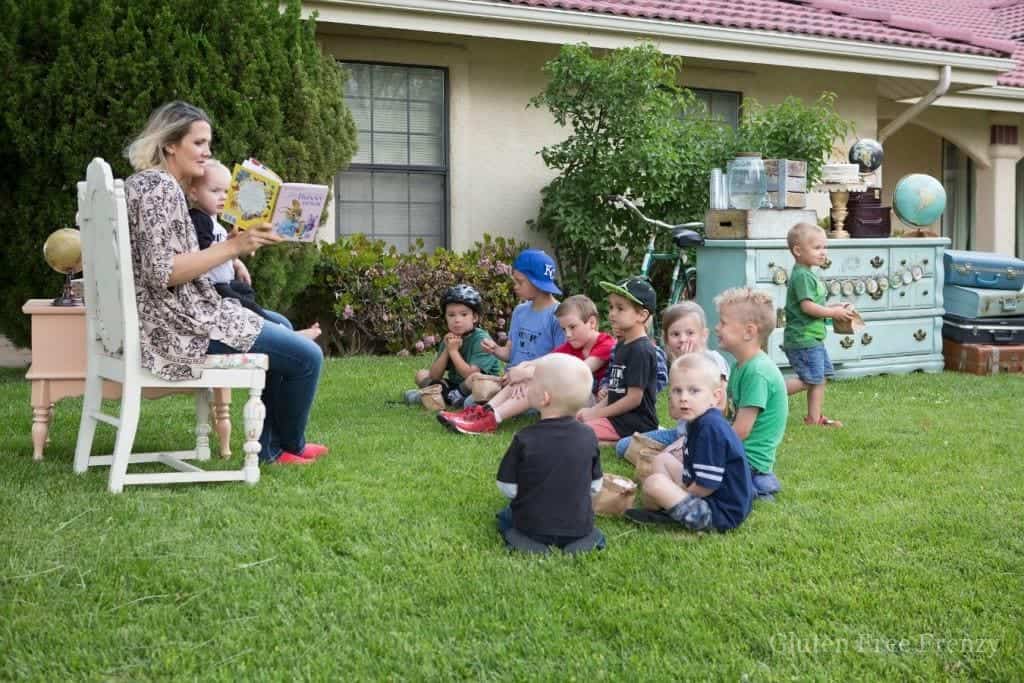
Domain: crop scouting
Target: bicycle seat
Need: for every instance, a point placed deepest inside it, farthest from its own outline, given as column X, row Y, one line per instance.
column 684, row 237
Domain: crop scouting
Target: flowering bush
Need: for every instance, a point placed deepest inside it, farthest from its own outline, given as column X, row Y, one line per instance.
column 370, row 298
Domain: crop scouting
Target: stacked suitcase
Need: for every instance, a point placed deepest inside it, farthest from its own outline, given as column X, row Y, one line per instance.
column 983, row 328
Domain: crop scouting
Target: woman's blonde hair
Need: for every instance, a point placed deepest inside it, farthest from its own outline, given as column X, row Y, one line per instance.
column 168, row 124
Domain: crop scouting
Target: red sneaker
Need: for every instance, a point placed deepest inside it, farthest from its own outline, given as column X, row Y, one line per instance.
column 482, row 423
column 448, row 417
column 312, row 451
column 287, row 458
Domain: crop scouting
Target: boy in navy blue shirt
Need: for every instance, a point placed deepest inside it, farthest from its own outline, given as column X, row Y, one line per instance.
column 701, row 482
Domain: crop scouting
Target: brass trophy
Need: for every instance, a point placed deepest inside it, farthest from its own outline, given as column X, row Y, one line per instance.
column 63, row 252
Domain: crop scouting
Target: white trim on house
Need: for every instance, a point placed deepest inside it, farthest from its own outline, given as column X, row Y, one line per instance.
column 999, row 98
column 556, row 26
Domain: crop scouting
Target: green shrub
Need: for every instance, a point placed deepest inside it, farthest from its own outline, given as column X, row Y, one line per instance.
column 79, row 79
column 369, row 298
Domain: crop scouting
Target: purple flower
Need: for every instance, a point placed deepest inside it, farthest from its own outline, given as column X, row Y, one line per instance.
column 348, row 312
column 429, row 340
column 419, row 347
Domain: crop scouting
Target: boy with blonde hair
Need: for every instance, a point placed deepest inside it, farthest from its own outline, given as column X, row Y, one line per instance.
column 703, row 481
column 804, row 340
column 756, row 389
column 553, row 467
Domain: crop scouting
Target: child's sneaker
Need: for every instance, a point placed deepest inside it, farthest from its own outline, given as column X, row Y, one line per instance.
column 481, row 423
column 448, row 417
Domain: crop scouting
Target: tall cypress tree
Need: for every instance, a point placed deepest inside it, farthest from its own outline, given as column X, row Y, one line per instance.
column 80, row 77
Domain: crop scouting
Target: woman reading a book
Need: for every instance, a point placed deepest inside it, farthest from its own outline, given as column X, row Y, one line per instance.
column 181, row 316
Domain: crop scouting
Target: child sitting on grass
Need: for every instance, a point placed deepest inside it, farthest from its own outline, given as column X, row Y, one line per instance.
column 231, row 279
column 577, row 317
column 685, row 329
column 533, row 330
column 461, row 352
column 756, row 390
column 804, row 340
column 702, row 482
column 632, row 376
column 553, row 467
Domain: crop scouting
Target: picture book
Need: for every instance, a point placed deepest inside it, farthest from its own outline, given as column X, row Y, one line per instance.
column 258, row 195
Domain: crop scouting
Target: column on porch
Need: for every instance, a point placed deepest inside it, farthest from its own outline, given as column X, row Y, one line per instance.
column 996, row 193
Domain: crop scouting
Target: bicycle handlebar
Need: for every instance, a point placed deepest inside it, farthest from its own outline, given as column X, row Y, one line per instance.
column 616, row 198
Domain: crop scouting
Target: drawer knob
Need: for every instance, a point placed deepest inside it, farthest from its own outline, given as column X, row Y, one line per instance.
column 846, row 342
column 877, row 262
column 920, row 335
column 827, row 264
column 877, row 294
column 866, row 339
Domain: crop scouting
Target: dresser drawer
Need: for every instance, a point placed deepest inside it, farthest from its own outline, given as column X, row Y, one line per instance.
column 900, row 337
column 904, row 258
column 920, row 294
column 855, row 262
column 770, row 262
column 864, row 293
column 842, row 348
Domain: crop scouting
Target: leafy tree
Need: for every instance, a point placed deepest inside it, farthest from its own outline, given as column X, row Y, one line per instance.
column 633, row 130
column 80, row 78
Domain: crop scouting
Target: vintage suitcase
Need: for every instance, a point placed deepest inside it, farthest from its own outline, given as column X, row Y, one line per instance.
column 867, row 217
column 983, row 269
column 995, row 331
column 982, row 359
column 754, row 224
column 971, row 302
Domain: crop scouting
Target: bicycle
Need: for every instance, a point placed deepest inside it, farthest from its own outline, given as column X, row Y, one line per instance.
column 684, row 236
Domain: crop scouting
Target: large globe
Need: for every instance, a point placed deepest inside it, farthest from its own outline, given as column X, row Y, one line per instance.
column 918, row 199
column 867, row 154
column 63, row 250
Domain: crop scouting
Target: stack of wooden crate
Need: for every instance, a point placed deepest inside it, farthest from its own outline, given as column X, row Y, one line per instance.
column 983, row 327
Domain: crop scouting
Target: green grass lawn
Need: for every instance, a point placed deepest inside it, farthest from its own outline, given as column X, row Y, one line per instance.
column 894, row 552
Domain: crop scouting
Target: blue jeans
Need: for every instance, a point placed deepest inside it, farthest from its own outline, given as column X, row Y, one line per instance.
column 294, row 373
column 665, row 436
column 275, row 317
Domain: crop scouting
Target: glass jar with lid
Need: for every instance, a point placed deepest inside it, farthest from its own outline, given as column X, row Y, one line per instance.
column 748, row 184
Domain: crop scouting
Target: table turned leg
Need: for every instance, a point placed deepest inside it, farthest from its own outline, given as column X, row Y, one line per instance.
column 40, row 430
column 222, row 419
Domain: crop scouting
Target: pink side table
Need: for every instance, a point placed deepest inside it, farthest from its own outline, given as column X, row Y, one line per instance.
column 58, row 371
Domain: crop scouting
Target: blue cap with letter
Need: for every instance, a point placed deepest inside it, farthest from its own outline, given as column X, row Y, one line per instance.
column 539, row 269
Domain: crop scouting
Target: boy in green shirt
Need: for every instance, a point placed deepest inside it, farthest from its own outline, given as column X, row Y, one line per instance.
column 804, row 339
column 756, row 389
column 461, row 352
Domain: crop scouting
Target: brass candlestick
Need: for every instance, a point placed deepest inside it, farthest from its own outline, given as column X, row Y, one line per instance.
column 839, row 198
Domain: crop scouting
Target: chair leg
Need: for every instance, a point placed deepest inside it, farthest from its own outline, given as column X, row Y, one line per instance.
column 91, row 403
column 131, row 400
column 203, row 424
column 222, row 420
column 255, row 413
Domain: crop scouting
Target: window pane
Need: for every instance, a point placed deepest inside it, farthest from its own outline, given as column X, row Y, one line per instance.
column 360, row 108
column 425, row 117
column 391, row 187
column 426, row 188
column 391, row 219
column 390, row 81
column 358, row 83
column 426, row 84
column 390, row 116
column 355, row 217
column 425, row 150
column 357, row 188
column 425, row 219
column 390, row 148
column 364, row 154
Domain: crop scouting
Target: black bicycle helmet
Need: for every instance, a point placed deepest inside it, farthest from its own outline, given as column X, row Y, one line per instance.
column 462, row 294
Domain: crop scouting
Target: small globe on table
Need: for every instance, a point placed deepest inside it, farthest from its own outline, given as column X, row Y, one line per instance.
column 63, row 252
column 867, row 154
column 918, row 199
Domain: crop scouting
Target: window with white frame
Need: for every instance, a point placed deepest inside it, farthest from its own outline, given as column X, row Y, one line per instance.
column 396, row 188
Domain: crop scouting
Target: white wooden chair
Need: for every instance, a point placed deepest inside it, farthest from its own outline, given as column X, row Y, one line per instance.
column 112, row 339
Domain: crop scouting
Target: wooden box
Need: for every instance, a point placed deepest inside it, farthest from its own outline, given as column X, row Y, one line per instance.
column 754, row 224
column 983, row 359
column 788, row 189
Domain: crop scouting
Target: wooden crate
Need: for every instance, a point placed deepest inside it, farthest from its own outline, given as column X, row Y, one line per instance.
column 754, row 224
column 983, row 359
column 788, row 189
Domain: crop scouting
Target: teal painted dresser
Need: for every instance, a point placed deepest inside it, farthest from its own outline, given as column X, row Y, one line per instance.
column 895, row 284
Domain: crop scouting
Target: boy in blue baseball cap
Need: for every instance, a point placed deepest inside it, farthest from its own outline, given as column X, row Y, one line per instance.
column 533, row 332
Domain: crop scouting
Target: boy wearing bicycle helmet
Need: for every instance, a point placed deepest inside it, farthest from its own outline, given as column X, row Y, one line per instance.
column 461, row 352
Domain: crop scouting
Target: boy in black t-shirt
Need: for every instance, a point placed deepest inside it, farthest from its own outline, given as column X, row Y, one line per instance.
column 552, row 467
column 633, row 372
column 702, row 481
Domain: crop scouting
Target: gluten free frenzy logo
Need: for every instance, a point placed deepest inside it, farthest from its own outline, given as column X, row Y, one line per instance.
column 796, row 644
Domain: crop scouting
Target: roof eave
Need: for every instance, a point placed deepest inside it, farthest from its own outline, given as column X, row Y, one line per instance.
column 997, row 98
column 556, row 26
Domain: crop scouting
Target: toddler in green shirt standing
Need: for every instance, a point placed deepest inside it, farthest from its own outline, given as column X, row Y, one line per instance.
column 804, row 338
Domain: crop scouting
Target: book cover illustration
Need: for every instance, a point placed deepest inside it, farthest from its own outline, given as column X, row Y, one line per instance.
column 257, row 195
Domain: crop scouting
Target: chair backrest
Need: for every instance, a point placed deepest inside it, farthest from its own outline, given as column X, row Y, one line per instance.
column 112, row 323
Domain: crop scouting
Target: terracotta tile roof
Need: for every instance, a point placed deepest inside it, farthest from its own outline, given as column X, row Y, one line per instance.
column 844, row 19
